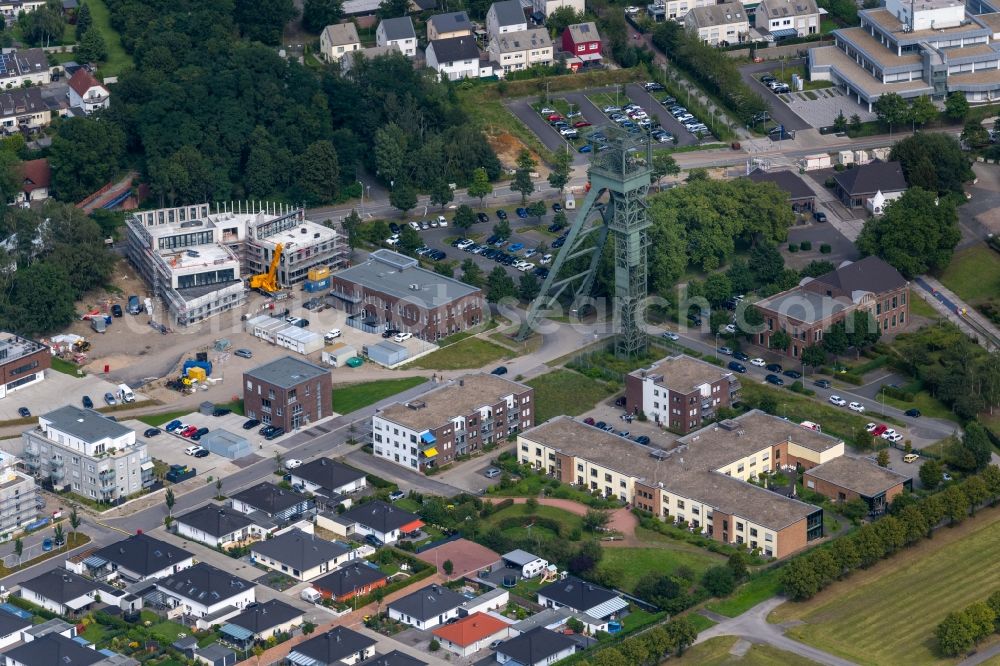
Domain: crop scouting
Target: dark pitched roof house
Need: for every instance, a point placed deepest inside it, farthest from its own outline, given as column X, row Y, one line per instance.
column 398, row 28
column 333, row 646
column 328, row 474
column 54, row 649
column 786, row 181
column 428, row 602
column 204, row 583
column 60, row 585
column 576, row 593
column 269, row 498
column 871, row 178
column 536, row 646
column 348, row 578
column 215, row 520
column 260, row 617
column 299, row 550
column 508, row 12
column 455, row 49
column 379, row 516
column 10, row 623
column 869, row 274
column 394, row 658
column 142, row 554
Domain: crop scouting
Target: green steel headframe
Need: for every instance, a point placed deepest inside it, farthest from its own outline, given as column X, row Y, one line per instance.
column 619, row 167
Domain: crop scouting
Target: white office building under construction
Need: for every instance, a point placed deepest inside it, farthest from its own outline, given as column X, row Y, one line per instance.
column 196, row 260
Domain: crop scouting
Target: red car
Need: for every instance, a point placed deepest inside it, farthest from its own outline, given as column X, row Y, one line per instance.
column 554, row 117
column 190, row 430
column 879, row 429
column 589, row 421
column 582, row 123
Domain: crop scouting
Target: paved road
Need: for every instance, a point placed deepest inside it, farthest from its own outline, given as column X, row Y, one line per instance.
column 753, row 626
column 777, row 109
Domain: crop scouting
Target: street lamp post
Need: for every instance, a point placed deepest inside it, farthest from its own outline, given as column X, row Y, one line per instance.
column 362, row 199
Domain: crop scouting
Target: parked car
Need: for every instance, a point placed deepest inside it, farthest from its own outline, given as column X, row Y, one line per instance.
column 491, row 473
column 819, row 216
column 774, row 379
column 501, row 214
column 402, row 337
column 600, row 424
column 557, row 207
column 670, row 335
column 292, row 463
column 87, row 402
column 250, row 424
column 201, row 454
column 895, row 438
column 151, row 432
column 774, row 367
column 173, row 425
column 741, row 356
column 109, row 398
column 856, row 407
column 274, row 434
column 726, row 351
column 837, row 400
column 516, row 247
column 822, row 383
column 23, row 412
column 499, row 370
column 737, row 367
column 522, row 213
column 221, row 411
column 191, row 450
column 757, row 362
column 188, row 431
column 482, row 217
column 396, row 495
column 794, row 374
column 243, row 353
column 116, row 310
column 914, row 413
column 888, row 433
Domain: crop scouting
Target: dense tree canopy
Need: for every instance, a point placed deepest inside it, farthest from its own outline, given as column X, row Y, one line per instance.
column 933, row 161
column 213, row 116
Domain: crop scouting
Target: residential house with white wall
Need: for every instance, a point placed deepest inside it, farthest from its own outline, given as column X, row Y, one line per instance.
column 398, row 31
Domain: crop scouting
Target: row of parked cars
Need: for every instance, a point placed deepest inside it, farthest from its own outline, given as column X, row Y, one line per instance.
column 691, row 123
column 567, row 127
column 775, row 86
column 508, row 258
column 607, row 427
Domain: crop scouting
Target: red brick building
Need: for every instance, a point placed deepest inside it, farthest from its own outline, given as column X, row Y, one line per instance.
column 392, row 291
column 680, row 392
column 351, row 580
column 288, row 392
column 844, row 479
column 22, row 362
column 806, row 312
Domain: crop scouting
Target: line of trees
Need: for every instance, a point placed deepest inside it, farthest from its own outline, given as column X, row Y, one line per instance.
column 716, row 71
column 961, row 630
column 649, row 647
column 910, row 520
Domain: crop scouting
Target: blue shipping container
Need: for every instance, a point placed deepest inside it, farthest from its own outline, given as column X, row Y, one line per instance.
column 313, row 286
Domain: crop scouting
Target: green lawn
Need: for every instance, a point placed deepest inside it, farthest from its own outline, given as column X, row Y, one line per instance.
column 921, row 308
column 631, row 564
column 887, row 615
column 715, row 652
column 118, row 59
column 65, row 367
column 567, row 519
column 351, row 397
column 471, row 353
column 837, row 421
column 974, row 274
column 95, row 633
column 760, row 588
column 926, row 403
column 566, row 392
column 700, row 622
column 157, row 420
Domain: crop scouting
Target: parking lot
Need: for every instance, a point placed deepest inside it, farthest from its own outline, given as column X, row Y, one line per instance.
column 57, row 390
column 613, row 416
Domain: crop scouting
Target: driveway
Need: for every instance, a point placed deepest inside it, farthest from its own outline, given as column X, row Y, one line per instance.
column 778, row 109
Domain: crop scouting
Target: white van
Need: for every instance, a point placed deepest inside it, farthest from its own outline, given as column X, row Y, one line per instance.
column 331, row 335
column 311, row 595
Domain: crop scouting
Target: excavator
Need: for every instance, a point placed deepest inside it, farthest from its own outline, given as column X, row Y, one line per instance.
column 268, row 282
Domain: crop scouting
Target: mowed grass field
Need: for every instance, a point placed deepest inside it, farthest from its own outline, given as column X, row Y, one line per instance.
column 887, row 615
column 716, row 652
column 974, row 274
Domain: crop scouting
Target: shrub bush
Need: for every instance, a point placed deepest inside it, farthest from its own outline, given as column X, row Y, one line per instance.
column 825, row 248
column 806, row 246
column 793, row 247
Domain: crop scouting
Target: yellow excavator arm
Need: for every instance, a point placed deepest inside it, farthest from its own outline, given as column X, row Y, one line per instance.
column 269, row 281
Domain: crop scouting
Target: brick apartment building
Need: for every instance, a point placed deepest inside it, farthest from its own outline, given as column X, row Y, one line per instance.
column 22, row 362
column 703, row 481
column 844, row 479
column 288, row 392
column 455, row 419
column 392, row 291
column 806, row 312
column 679, row 392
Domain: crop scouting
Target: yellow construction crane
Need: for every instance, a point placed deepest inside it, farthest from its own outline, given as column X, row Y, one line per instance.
column 268, row 282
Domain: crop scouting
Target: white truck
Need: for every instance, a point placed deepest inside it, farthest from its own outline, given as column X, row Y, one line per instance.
column 125, row 394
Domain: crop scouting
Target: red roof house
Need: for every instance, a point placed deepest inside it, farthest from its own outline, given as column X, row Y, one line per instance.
column 35, row 178
column 471, row 634
column 582, row 41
